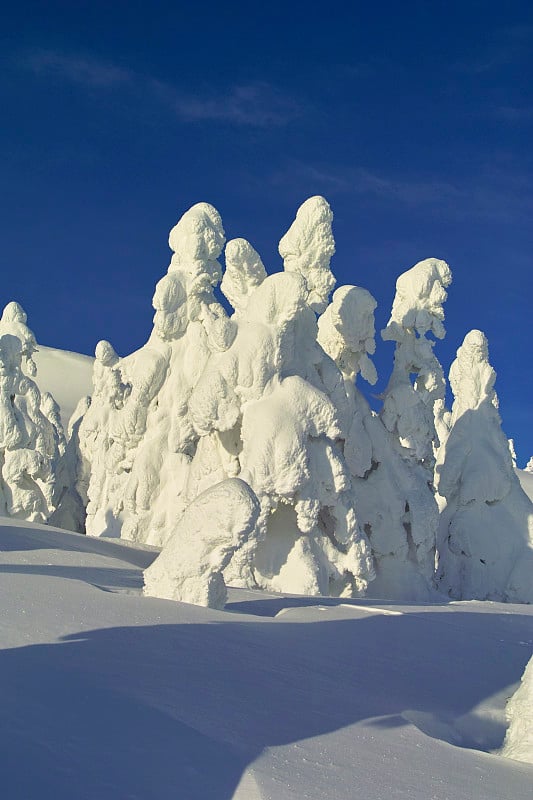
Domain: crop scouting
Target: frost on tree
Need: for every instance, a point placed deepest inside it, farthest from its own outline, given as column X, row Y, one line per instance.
column 486, row 528
column 13, row 321
column 413, row 406
column 518, row 742
column 392, row 499
column 216, row 524
column 31, row 435
column 72, row 477
column 212, row 397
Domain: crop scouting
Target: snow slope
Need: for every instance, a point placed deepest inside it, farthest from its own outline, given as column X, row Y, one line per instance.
column 108, row 694
column 67, row 376
column 526, row 481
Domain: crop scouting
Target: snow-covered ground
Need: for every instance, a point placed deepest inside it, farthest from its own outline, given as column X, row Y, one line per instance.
column 67, row 376
column 109, row 694
column 526, row 481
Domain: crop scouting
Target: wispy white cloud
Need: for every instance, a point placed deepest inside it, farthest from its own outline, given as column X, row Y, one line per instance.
column 499, row 192
column 88, row 72
column 256, row 104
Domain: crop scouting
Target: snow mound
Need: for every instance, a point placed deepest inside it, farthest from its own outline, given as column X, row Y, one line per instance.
column 190, row 565
column 67, row 376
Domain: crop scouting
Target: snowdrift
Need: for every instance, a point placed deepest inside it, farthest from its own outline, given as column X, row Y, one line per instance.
column 108, row 694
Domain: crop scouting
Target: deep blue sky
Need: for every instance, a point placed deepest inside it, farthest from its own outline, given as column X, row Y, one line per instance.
column 414, row 119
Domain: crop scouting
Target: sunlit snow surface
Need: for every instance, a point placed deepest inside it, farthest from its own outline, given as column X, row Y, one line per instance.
column 108, row 694
column 67, row 376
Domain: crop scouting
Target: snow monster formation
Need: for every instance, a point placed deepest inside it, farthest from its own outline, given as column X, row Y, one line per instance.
column 486, row 526
column 262, row 405
column 518, row 742
column 31, row 436
column 216, row 524
column 265, row 395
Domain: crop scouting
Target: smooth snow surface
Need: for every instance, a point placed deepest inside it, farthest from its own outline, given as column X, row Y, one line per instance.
column 526, row 481
column 67, row 376
column 106, row 694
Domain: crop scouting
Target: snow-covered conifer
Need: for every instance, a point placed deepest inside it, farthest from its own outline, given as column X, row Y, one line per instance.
column 13, row 321
column 518, row 742
column 307, row 248
column 414, row 410
column 486, row 528
column 244, row 272
column 393, row 503
column 29, row 442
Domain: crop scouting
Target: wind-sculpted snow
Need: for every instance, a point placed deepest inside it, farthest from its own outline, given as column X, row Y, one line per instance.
column 486, row 528
column 13, row 321
column 518, row 742
column 214, row 526
column 394, row 504
column 414, row 411
column 32, row 441
column 244, row 272
column 267, row 395
column 212, row 397
column 307, row 248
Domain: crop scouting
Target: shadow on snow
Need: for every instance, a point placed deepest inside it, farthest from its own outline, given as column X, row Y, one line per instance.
column 144, row 712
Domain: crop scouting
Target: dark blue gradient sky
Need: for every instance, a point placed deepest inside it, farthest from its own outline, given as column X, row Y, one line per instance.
column 415, row 121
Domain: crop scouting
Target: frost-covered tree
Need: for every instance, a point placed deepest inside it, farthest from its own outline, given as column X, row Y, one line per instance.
column 529, row 465
column 72, row 477
column 518, row 742
column 413, row 404
column 211, row 398
column 486, row 527
column 30, row 440
column 13, row 321
column 392, row 500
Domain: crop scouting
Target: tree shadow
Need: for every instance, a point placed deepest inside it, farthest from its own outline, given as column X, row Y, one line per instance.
column 19, row 538
column 144, row 711
column 107, row 578
column 272, row 606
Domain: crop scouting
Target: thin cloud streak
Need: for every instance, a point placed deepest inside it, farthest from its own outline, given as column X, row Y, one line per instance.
column 87, row 72
column 496, row 194
column 256, row 104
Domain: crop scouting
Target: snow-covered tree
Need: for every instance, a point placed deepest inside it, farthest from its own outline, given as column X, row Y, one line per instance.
column 267, row 396
column 486, row 528
column 392, row 500
column 518, row 742
column 13, row 321
column 31, row 436
column 413, row 405
column 72, row 477
column 210, row 398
